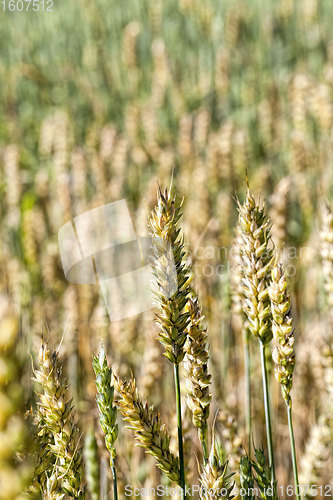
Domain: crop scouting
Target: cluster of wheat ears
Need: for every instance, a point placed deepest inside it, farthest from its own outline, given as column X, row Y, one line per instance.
column 129, row 93
column 57, row 464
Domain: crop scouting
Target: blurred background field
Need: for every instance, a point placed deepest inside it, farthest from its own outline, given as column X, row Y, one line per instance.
column 99, row 101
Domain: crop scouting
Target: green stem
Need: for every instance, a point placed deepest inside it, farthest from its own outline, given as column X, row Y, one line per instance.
column 180, row 432
column 114, row 478
column 204, row 450
column 267, row 413
column 247, row 364
column 293, row 450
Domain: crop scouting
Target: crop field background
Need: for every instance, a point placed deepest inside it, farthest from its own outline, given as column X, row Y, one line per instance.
column 102, row 101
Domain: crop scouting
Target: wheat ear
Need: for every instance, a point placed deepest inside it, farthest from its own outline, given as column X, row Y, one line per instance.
column 283, row 332
column 56, row 419
column 256, row 265
column 171, row 288
column 283, row 350
column 147, row 427
column 246, row 478
column 263, row 476
column 196, row 369
column 237, row 298
column 215, row 479
column 171, row 285
column 107, row 409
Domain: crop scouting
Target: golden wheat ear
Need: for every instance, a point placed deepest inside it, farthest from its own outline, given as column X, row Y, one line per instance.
column 196, row 372
column 149, row 432
column 215, row 477
column 283, row 331
column 257, row 255
column 171, row 276
column 58, row 430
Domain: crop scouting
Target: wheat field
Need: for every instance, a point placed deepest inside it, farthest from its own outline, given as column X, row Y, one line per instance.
column 214, row 122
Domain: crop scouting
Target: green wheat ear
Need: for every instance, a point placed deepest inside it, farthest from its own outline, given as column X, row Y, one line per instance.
column 262, row 475
column 107, row 409
column 246, row 478
column 105, row 401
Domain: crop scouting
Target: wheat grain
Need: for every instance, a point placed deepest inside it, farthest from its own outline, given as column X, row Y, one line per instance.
column 171, row 289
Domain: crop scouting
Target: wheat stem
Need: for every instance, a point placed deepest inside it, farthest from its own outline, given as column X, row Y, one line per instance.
column 114, row 478
column 180, row 432
column 204, row 450
column 247, row 362
column 293, row 450
column 267, row 412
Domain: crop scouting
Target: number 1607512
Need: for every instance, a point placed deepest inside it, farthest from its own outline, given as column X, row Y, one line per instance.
column 27, row 5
